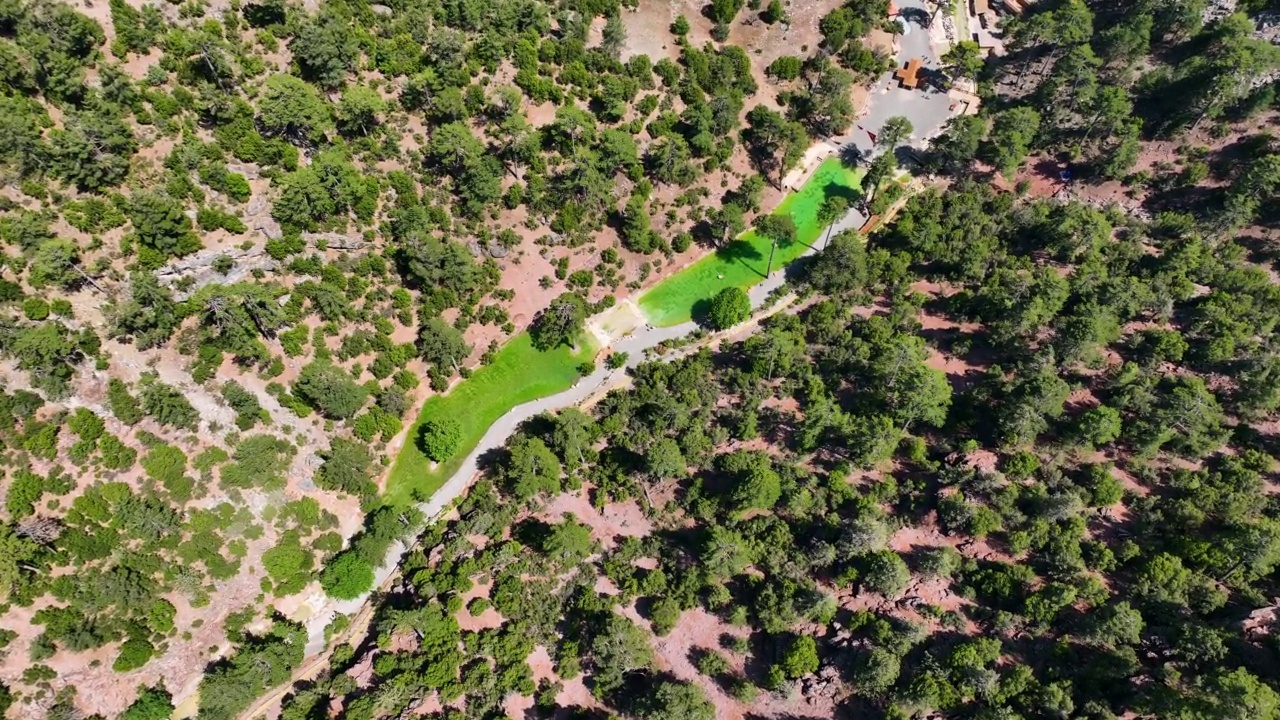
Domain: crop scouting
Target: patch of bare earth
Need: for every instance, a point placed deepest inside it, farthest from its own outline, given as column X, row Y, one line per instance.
column 1043, row 174
column 608, row 524
column 699, row 630
column 102, row 690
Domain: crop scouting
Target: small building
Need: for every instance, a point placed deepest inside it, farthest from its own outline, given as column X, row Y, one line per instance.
column 909, row 76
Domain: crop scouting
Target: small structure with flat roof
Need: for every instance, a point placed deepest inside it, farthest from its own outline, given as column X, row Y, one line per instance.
column 909, row 76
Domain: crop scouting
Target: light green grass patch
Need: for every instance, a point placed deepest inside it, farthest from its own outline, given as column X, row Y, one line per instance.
column 743, row 262
column 518, row 374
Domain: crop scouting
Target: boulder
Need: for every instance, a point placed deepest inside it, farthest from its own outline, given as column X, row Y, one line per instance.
column 336, row 241
column 199, row 267
column 269, row 228
column 250, row 172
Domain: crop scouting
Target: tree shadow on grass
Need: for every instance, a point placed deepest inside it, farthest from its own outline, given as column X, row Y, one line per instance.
column 852, row 198
column 851, row 157
column 838, row 190
column 741, row 251
column 700, row 310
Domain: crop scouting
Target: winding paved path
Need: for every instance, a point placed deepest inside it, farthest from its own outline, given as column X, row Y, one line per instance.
column 603, row 379
column 928, row 111
column 592, row 386
column 324, row 609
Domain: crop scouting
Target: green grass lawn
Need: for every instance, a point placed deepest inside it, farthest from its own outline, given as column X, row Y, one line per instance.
column 743, row 262
column 518, row 374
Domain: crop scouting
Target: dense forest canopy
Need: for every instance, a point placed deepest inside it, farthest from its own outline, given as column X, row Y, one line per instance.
column 1013, row 458
column 1081, row 527
column 1010, row 455
column 242, row 241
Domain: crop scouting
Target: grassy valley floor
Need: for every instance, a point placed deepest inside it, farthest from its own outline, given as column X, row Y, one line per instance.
column 520, row 374
column 743, row 262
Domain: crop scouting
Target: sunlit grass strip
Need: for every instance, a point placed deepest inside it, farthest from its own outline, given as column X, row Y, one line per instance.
column 743, row 262
column 518, row 374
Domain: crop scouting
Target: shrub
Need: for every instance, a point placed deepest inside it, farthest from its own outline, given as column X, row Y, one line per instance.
column 42, row 440
column 168, row 406
column 134, row 653
column 122, row 403
column 160, row 616
column 24, row 493
column 116, row 455
column 259, row 461
column 440, row 438
column 729, row 307
column 330, row 542
column 786, row 67
column 346, row 468
column 712, row 664
column 743, row 690
column 405, row 380
column 347, row 576
column 330, row 389
column 214, row 218
column 35, row 308
column 245, row 403
column 165, row 463
column 393, row 401
column 939, row 562
column 886, row 573
column 294, row 340
column 664, row 615
column 237, row 187
column 209, row 458
column 376, row 422
column 289, row 564
column 801, row 657
column 10, row 291
column 153, row 703
column 86, row 424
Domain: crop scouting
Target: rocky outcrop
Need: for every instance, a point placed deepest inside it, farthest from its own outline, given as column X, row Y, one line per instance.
column 199, row 267
column 336, row 241
column 823, row 685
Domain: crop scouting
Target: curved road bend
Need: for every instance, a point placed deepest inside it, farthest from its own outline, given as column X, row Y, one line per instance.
column 927, row 110
column 497, row 435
